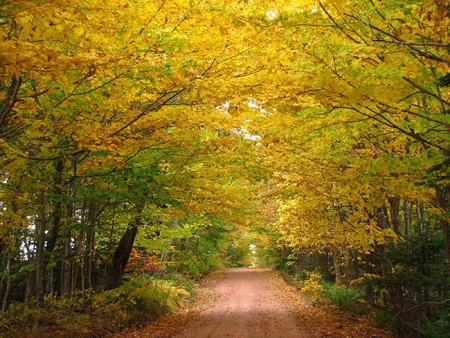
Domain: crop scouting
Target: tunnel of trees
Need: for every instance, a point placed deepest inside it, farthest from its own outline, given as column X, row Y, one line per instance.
column 167, row 136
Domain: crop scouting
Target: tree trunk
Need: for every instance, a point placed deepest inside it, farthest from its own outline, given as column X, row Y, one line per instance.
column 66, row 279
column 121, row 256
column 407, row 214
column 394, row 203
column 9, row 129
column 165, row 255
column 107, row 270
column 419, row 216
column 66, row 264
column 90, row 260
column 30, row 289
column 122, row 253
column 337, row 267
column 90, row 273
column 443, row 195
column 40, row 254
column 54, row 231
column 5, row 303
column 384, row 223
column 55, row 225
column 78, row 260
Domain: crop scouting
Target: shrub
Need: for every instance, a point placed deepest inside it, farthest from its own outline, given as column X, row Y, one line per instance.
column 346, row 298
column 95, row 314
column 437, row 329
column 312, row 286
column 384, row 319
column 86, row 313
column 154, row 297
column 195, row 265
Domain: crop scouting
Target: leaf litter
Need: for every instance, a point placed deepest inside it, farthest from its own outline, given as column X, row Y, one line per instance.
column 321, row 320
column 324, row 320
column 173, row 323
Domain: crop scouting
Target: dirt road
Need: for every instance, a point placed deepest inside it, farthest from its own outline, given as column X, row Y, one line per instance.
column 246, row 307
column 256, row 303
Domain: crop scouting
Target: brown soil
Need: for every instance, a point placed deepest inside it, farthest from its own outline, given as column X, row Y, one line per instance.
column 246, row 308
column 256, row 303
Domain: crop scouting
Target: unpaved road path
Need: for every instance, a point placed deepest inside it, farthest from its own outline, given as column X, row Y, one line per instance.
column 246, row 307
column 256, row 303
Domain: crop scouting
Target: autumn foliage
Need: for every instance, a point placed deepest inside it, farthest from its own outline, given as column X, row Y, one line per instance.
column 170, row 125
column 140, row 263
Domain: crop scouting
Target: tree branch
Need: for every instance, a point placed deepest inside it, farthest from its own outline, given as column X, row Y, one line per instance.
column 425, row 91
column 398, row 41
column 10, row 99
column 337, row 25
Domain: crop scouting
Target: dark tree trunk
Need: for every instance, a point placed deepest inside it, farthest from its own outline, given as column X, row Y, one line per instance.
column 5, row 303
column 407, row 213
column 54, row 231
column 394, row 203
column 120, row 257
column 77, row 264
column 40, row 253
column 122, row 254
column 90, row 251
column 443, row 195
column 9, row 130
column 66, row 263
column 30, row 289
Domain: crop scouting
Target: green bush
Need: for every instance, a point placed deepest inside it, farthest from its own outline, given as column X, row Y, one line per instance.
column 181, row 280
column 346, row 298
column 437, row 329
column 154, row 297
column 384, row 319
column 195, row 265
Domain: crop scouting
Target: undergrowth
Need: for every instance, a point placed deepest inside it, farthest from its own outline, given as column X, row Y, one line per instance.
column 316, row 290
column 95, row 314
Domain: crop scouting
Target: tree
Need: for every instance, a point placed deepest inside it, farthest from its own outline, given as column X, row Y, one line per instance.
column 92, row 94
column 357, row 127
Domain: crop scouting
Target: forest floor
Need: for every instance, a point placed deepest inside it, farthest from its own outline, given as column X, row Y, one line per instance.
column 246, row 302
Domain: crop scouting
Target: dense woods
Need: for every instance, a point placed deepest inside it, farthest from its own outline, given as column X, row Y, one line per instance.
column 179, row 132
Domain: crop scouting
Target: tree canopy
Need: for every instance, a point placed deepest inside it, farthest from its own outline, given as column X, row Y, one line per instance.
column 159, row 124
